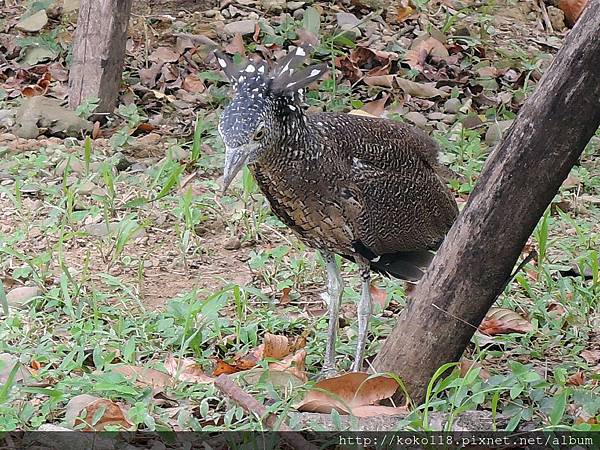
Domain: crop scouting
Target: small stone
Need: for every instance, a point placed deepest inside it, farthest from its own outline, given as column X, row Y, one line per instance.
column 452, row 105
column 417, row 118
column 557, row 18
column 436, row 116
column 100, row 229
column 210, row 13
column 495, row 131
column 293, row 6
column 18, row 297
column 122, row 163
column 179, row 25
column 298, row 14
column 33, row 23
column 272, row 5
column 232, row 244
column 348, row 22
column 241, row 26
column 7, row 137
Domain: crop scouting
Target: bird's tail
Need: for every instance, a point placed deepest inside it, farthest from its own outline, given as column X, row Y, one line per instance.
column 409, row 265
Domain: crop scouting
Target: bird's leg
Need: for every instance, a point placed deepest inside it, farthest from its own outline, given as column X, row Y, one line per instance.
column 364, row 316
column 335, row 290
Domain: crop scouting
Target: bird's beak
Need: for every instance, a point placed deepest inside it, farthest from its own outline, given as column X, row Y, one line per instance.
column 235, row 159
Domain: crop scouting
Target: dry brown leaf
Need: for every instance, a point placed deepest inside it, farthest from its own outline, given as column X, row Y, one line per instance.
column 236, row 45
column 96, row 132
column 164, row 55
column 592, row 357
column 467, row 365
column 417, row 56
column 360, row 112
column 377, row 107
column 378, row 295
column 192, row 83
column 403, row 13
column 423, row 90
column 577, row 379
column 224, row 368
column 293, row 364
column 380, row 81
column 144, row 376
column 91, row 408
column 503, row 321
column 347, row 392
column 32, row 91
column 275, row 346
column 186, row 369
column 557, row 309
column 572, row 9
column 377, row 410
column 285, row 296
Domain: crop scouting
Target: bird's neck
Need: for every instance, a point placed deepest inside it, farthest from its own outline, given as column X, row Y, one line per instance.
column 293, row 139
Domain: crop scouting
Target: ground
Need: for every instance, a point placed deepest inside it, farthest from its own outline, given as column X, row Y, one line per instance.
column 133, row 255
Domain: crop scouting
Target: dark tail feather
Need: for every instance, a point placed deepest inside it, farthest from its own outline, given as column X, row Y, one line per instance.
column 409, row 266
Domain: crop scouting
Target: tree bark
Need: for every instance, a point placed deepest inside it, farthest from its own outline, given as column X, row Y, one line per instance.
column 99, row 52
column 517, row 183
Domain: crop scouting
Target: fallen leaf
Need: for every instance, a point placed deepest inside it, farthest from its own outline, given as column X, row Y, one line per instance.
column 503, row 321
column 467, row 365
column 403, row 13
column 186, row 369
column 293, row 364
column 194, row 84
column 32, row 91
column 376, row 410
column 144, row 376
column 97, row 413
column 272, row 347
column 346, row 392
column 285, row 296
column 164, row 55
column 417, row 56
column 378, row 295
column 224, row 368
column 360, row 112
column 592, row 357
column 276, row 347
column 236, row 45
column 556, row 308
column 96, row 132
column 577, row 379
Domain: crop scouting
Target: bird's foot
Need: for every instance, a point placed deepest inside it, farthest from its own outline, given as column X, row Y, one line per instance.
column 327, row 372
column 356, row 366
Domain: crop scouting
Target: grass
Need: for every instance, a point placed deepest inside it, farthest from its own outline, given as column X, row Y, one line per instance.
column 120, row 258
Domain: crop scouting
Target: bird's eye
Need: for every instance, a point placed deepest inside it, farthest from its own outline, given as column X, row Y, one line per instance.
column 259, row 133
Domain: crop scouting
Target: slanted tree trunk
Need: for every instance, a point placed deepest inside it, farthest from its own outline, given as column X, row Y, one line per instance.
column 518, row 182
column 99, row 52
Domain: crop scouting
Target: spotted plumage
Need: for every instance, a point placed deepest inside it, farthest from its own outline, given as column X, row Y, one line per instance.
column 367, row 189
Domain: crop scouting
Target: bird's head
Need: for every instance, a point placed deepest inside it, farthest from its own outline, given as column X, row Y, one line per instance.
column 266, row 106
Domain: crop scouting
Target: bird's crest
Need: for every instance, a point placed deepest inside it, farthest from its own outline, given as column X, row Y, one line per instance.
column 285, row 78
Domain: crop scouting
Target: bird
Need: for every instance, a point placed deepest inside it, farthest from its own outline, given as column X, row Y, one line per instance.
column 368, row 189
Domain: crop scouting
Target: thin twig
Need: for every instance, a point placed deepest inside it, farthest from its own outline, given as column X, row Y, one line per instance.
column 253, row 406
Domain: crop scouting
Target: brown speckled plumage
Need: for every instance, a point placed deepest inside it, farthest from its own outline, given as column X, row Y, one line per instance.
column 357, row 179
column 367, row 189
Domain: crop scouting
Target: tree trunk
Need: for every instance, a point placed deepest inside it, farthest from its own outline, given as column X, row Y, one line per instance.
column 518, row 182
column 99, row 52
